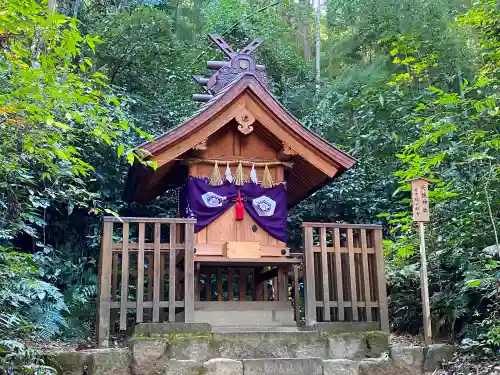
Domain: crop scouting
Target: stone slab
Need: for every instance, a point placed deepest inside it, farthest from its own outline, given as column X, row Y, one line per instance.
column 283, row 366
column 410, row 359
column 347, row 346
column 223, row 366
column 436, row 355
column 197, row 349
column 148, row 356
column 159, row 329
column 346, row 327
column 249, row 345
column 182, row 367
column 377, row 343
column 110, row 362
column 340, row 367
column 235, row 318
column 69, row 363
column 378, row 366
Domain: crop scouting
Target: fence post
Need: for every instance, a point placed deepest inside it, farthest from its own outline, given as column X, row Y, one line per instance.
column 172, row 282
column 382, row 288
column 296, row 293
column 309, row 287
column 189, row 274
column 324, row 271
column 104, row 293
column 125, row 270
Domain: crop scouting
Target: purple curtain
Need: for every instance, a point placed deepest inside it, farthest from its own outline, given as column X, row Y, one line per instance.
column 267, row 206
column 205, row 203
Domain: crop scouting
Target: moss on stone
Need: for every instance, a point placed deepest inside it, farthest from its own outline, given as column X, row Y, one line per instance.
column 173, row 337
column 373, row 334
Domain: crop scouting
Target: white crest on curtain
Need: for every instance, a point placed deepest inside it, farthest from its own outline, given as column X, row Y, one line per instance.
column 253, row 175
column 229, row 176
column 264, row 206
column 213, row 200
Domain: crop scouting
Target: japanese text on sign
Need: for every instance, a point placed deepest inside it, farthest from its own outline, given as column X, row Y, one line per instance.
column 420, row 198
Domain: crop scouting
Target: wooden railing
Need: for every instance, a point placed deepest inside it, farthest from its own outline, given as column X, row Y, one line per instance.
column 344, row 274
column 133, row 273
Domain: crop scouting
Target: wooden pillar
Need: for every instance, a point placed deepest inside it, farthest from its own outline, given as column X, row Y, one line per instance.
column 382, row 288
column 352, row 274
column 324, row 274
column 282, row 289
column 172, row 281
column 230, row 284
column 338, row 274
column 296, row 294
column 104, row 293
column 189, row 274
column 140, row 275
column 156, row 277
column 243, row 284
column 124, row 286
column 218, row 282
column 309, row 287
column 366, row 276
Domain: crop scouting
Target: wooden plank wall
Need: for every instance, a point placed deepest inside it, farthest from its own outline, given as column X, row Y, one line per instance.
column 344, row 274
column 140, row 259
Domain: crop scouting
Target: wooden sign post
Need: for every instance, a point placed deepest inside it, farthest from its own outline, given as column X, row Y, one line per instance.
column 420, row 198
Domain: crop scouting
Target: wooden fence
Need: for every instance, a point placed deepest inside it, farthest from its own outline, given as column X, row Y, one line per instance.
column 133, row 273
column 344, row 274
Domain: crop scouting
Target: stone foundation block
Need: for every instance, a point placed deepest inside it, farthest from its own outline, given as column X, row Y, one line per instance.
column 160, row 329
column 223, row 366
column 409, row 359
column 310, row 349
column 347, row 346
column 436, row 355
column 148, row 356
column 199, row 350
column 69, row 363
column 248, row 345
column 282, row 366
column 377, row 343
column 340, row 367
column 379, row 366
column 110, row 362
column 182, row 367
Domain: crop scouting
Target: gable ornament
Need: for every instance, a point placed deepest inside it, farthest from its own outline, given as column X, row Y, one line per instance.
column 245, row 120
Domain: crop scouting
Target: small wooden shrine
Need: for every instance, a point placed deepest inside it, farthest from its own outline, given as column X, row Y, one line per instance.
column 237, row 165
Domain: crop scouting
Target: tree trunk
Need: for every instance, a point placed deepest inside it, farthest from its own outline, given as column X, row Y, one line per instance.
column 53, row 5
column 318, row 43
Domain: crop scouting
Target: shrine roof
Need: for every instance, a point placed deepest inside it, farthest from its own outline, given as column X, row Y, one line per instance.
column 328, row 161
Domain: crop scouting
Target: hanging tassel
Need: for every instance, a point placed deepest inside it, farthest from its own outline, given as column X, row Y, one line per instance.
column 267, row 180
column 229, row 176
column 253, row 175
column 216, row 179
column 239, row 208
column 239, row 178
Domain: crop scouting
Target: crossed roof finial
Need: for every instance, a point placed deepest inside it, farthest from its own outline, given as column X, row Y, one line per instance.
column 240, row 62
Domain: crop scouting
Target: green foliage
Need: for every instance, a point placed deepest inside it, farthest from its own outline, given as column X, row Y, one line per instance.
column 409, row 88
column 60, row 126
column 458, row 149
column 29, row 307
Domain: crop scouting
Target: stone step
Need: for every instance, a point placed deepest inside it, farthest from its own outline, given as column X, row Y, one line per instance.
column 278, row 343
column 226, row 329
column 400, row 361
column 280, row 366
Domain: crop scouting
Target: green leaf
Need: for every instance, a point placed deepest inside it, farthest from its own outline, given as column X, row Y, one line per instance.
column 120, row 150
column 473, row 283
column 111, row 212
column 131, row 158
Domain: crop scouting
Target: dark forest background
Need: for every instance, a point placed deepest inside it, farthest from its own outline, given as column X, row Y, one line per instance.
column 408, row 87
